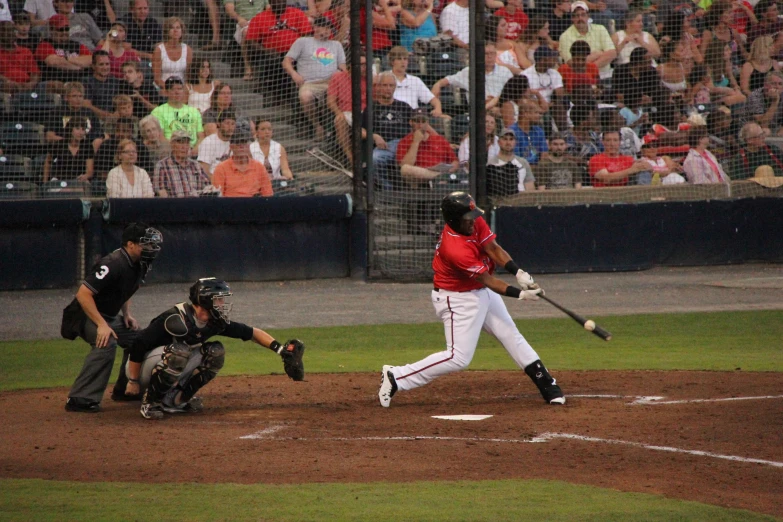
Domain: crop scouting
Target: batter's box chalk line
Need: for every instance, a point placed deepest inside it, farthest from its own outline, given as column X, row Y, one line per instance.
column 657, row 399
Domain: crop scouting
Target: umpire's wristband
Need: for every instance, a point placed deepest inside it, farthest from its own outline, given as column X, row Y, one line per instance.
column 511, row 267
column 512, row 291
column 275, row 346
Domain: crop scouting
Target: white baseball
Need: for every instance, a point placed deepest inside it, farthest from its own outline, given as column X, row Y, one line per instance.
column 589, row 325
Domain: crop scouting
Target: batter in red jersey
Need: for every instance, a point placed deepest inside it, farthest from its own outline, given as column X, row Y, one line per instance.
column 467, row 299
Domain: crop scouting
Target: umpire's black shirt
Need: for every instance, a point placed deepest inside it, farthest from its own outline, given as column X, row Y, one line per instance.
column 114, row 279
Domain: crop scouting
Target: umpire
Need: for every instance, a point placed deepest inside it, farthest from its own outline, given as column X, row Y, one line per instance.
column 94, row 314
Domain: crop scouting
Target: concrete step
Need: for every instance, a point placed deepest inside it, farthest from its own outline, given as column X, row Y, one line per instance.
column 248, row 100
column 297, row 146
column 238, row 85
column 273, row 114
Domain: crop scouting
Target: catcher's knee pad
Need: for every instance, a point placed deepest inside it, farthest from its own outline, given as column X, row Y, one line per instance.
column 167, row 371
column 213, row 356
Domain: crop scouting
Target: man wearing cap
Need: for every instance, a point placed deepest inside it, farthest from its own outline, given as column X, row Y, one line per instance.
column 83, row 27
column 60, row 58
column 424, row 154
column 176, row 114
column 215, row 148
column 143, row 31
column 495, row 77
column 18, row 70
column 179, row 176
column 754, row 153
column 507, row 173
column 240, row 176
column 317, row 58
column 601, row 45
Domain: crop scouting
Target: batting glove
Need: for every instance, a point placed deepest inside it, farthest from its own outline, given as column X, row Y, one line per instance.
column 530, row 295
column 525, row 281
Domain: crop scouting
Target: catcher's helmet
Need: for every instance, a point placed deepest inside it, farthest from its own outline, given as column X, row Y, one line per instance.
column 204, row 292
column 459, row 205
column 148, row 237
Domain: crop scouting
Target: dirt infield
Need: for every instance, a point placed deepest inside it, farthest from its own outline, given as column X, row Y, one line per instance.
column 688, row 443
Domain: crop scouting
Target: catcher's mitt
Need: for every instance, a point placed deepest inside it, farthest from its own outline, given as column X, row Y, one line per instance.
column 292, row 352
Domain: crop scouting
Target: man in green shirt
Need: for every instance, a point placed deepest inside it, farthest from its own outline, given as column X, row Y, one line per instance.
column 242, row 12
column 754, row 153
column 177, row 115
column 602, row 50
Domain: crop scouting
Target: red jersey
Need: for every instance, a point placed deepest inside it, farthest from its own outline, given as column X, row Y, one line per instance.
column 459, row 259
column 433, row 151
column 612, row 164
column 572, row 78
column 340, row 87
column 278, row 34
column 381, row 40
column 516, row 22
column 18, row 65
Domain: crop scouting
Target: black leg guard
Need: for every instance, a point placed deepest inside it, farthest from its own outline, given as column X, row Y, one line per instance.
column 546, row 384
column 213, row 356
column 166, row 372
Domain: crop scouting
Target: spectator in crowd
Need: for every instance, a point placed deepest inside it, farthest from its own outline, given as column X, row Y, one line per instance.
column 39, row 11
column 577, row 71
column 630, row 143
column 215, row 148
column 339, row 15
column 661, row 168
column 101, row 88
column 242, row 12
column 723, row 138
column 177, row 115
column 544, row 79
column 583, row 141
column 339, row 99
column 514, row 91
column 155, row 146
column 764, row 106
column 24, row 38
column 495, row 77
column 556, row 170
column 718, row 26
column 758, row 65
column 605, row 13
column 610, row 168
column 508, row 173
column 71, row 158
column 270, row 36
column 271, row 154
column 240, row 176
column 493, row 143
column 410, row 89
column 127, row 180
column 769, row 22
column 172, row 57
column 633, row 37
column 742, row 17
column 83, row 28
column 754, row 153
column 114, row 45
column 639, row 78
column 140, row 88
column 317, row 58
column 559, row 18
column 496, row 27
column 214, row 24
column 384, row 21
column 57, row 123
column 530, row 138
column 143, row 30
column 703, row 92
column 18, row 70
column 672, row 70
column 535, row 35
column 455, row 22
column 424, row 154
column 105, row 155
column 701, row 166
column 603, row 50
column 61, row 59
column 678, row 28
column 717, row 58
column 514, row 15
column 179, row 176
column 201, row 85
column 123, row 108
column 417, row 22
column 390, row 123
column 222, row 100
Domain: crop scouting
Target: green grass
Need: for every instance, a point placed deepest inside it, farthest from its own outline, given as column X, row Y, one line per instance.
column 695, row 341
column 505, row 500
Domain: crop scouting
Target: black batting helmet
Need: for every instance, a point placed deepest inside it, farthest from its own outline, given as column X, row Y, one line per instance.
column 204, row 292
column 459, row 205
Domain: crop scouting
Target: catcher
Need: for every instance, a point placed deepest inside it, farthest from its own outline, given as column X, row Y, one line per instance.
column 173, row 358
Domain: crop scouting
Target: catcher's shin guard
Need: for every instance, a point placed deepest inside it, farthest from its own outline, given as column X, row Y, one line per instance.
column 546, row 384
column 213, row 356
column 167, row 371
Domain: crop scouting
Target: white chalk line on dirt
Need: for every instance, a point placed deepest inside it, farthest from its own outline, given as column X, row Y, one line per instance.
column 263, row 434
column 657, row 399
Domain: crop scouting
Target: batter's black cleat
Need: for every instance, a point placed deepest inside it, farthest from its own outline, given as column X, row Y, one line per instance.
column 121, row 397
column 388, row 386
column 79, row 405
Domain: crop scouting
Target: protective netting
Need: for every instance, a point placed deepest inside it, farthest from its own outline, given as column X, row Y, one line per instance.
column 655, row 99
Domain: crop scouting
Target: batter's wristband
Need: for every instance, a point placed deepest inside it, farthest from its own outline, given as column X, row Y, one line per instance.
column 512, row 268
column 275, row 346
column 134, row 381
column 512, row 291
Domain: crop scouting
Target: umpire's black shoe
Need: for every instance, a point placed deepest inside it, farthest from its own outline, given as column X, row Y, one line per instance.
column 80, row 405
column 121, row 397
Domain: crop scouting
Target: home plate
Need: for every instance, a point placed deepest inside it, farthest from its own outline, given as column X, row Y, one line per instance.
column 462, row 417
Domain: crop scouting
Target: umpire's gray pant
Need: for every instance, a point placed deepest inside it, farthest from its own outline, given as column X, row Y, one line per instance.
column 96, row 371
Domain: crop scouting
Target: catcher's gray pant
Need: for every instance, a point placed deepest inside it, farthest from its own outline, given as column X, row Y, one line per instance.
column 96, row 370
column 153, row 357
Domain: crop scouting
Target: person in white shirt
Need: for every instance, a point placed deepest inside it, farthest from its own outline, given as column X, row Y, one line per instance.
column 411, row 89
column 544, row 79
column 216, row 147
column 495, row 78
column 270, row 153
column 455, row 22
column 126, row 180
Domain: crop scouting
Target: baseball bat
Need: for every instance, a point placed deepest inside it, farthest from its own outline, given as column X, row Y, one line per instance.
column 587, row 324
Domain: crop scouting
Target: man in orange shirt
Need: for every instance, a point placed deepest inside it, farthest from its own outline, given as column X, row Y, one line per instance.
column 240, row 176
